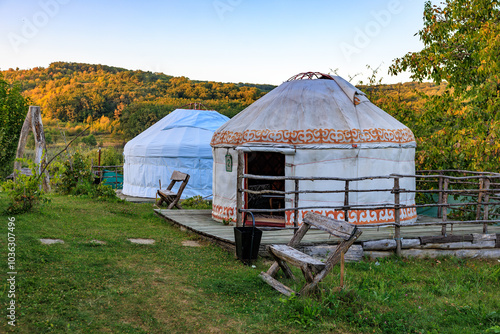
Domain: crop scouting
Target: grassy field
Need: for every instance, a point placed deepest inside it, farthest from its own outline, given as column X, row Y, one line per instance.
column 120, row 287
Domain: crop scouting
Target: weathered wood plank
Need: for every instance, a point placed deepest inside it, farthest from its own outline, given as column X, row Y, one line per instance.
column 282, row 264
column 460, row 245
column 338, row 228
column 296, row 258
column 178, row 176
column 384, row 244
column 493, row 253
column 445, row 239
column 479, row 237
column 387, row 244
column 276, row 284
column 354, row 253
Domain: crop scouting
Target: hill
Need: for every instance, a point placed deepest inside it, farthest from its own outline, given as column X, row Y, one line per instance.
column 125, row 102
column 76, row 92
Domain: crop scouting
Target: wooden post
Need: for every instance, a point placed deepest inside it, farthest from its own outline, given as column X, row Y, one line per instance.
column 296, row 204
column 33, row 121
column 346, row 201
column 445, row 205
column 342, row 270
column 239, row 188
column 486, row 187
column 479, row 198
column 440, row 195
column 101, row 172
column 397, row 216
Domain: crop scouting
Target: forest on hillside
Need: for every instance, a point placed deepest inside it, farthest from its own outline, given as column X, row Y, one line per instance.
column 123, row 101
column 126, row 102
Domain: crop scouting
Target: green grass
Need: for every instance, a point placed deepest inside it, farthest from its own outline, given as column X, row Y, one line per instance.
column 120, row 287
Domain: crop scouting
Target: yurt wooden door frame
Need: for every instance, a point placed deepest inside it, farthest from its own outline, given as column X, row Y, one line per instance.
column 266, row 164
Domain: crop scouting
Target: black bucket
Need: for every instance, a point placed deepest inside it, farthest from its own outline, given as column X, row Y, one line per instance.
column 247, row 241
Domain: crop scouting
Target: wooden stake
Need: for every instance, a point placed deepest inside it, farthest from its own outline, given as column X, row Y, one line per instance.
column 239, row 188
column 341, row 270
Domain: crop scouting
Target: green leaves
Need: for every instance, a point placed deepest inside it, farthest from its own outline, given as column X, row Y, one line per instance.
column 13, row 110
column 462, row 47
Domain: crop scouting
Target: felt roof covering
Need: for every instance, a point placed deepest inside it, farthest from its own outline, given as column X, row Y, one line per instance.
column 314, row 110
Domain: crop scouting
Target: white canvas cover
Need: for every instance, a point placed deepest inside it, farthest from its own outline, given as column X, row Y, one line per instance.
column 335, row 131
column 179, row 141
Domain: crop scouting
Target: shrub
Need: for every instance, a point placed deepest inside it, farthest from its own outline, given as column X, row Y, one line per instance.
column 89, row 140
column 76, row 173
column 25, row 192
column 197, row 203
column 77, row 179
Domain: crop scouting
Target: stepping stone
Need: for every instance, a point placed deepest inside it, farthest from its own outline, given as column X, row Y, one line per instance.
column 142, row 241
column 97, row 242
column 51, row 241
column 191, row 243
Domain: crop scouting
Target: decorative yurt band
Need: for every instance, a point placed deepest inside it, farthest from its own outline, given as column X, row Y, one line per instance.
column 314, row 136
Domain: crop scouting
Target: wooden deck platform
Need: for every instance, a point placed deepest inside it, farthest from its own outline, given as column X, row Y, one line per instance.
column 201, row 222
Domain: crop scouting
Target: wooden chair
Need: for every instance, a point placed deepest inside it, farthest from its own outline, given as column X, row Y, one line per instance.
column 168, row 196
column 314, row 270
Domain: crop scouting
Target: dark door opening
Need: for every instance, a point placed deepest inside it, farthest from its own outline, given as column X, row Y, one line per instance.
column 268, row 164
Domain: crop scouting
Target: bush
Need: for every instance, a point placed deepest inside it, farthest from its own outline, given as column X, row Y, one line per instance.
column 76, row 173
column 77, row 179
column 25, row 193
column 89, row 140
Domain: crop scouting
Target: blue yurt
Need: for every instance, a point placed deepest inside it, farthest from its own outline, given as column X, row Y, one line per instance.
column 179, row 141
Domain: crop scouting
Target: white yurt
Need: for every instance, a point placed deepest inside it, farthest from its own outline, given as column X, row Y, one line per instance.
column 179, row 141
column 314, row 125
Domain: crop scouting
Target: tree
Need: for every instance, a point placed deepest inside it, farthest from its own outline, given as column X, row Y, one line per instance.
column 13, row 109
column 462, row 47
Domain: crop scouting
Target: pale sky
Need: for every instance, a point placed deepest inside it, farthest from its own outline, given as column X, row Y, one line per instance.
column 252, row 41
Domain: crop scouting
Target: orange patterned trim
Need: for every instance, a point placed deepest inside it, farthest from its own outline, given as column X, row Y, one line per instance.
column 220, row 212
column 359, row 217
column 316, row 136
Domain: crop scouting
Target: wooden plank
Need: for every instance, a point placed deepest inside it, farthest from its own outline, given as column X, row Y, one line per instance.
column 276, row 284
column 284, row 267
column 384, row 244
column 478, row 237
column 460, row 245
column 445, row 239
column 178, row 176
column 461, row 253
column 354, row 253
column 335, row 227
column 296, row 258
column 166, row 193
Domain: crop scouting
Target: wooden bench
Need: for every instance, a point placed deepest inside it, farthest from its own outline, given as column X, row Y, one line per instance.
column 168, row 196
column 313, row 270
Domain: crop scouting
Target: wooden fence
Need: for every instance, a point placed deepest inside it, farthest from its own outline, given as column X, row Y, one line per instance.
column 479, row 195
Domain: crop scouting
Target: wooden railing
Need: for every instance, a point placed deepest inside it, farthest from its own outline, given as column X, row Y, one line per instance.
column 481, row 190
